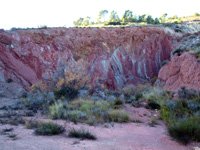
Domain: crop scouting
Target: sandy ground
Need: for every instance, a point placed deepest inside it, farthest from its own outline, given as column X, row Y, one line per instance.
column 126, row 136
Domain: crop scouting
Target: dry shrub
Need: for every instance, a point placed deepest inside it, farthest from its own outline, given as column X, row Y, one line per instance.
column 38, row 87
column 75, row 76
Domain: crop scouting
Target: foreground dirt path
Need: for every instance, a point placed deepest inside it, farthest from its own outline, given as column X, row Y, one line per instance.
column 126, row 136
column 130, row 136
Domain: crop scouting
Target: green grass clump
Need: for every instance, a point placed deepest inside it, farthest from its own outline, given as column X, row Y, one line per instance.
column 82, row 134
column 49, row 128
column 119, row 115
column 57, row 110
column 92, row 112
column 31, row 124
column 182, row 116
column 155, row 97
column 186, row 129
column 165, row 114
column 88, row 111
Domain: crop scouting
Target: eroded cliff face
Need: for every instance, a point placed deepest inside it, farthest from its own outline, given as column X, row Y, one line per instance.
column 181, row 71
column 114, row 56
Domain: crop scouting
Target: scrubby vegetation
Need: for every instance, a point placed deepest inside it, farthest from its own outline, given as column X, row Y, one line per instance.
column 129, row 19
column 81, row 134
column 185, row 129
column 49, row 128
column 88, row 111
column 189, row 44
column 76, row 110
column 182, row 115
column 75, row 100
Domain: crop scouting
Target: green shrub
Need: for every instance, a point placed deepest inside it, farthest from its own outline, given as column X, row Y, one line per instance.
column 82, row 134
column 153, row 105
column 179, row 51
column 153, row 80
column 74, row 115
column 112, row 23
column 164, row 62
column 196, row 53
column 128, row 91
column 186, row 129
column 88, row 111
column 165, row 114
column 9, row 80
column 155, row 95
column 31, row 124
column 49, row 128
column 57, row 110
column 118, row 102
column 59, row 93
column 67, row 92
column 188, row 94
column 119, row 115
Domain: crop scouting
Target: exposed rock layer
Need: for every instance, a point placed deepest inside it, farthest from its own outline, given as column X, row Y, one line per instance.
column 181, row 71
column 115, row 56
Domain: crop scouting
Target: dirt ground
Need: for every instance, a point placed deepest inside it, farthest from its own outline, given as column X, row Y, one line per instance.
column 126, row 136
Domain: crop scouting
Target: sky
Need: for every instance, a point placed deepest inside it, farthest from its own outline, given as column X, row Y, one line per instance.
column 59, row 13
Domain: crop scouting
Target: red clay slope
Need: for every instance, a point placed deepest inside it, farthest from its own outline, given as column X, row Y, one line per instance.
column 116, row 56
column 181, row 71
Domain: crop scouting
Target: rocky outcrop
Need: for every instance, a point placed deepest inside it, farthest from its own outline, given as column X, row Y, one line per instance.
column 181, row 71
column 114, row 56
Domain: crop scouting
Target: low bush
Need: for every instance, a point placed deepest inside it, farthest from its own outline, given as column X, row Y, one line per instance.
column 88, row 111
column 9, row 80
column 31, row 124
column 186, row 129
column 153, row 80
column 189, row 94
column 67, row 92
column 119, row 115
column 128, row 91
column 58, row 110
column 49, row 128
column 182, row 117
column 112, row 23
column 155, row 96
column 165, row 114
column 179, row 51
column 82, row 134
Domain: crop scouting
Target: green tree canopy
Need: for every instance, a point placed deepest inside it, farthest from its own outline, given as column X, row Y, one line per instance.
column 114, row 17
column 149, row 19
column 156, row 21
column 86, row 21
column 127, row 16
column 163, row 18
column 196, row 14
column 102, row 14
column 78, row 22
column 142, row 18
